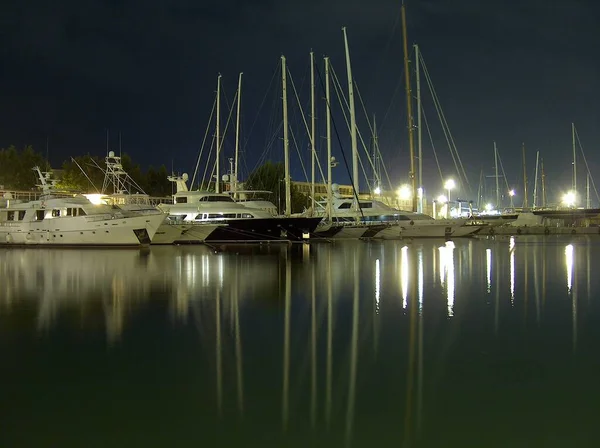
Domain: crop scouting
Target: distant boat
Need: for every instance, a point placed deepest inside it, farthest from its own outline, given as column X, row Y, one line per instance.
column 71, row 221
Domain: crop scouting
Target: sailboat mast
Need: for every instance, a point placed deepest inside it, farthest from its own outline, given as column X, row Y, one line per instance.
column 218, row 136
column 543, row 184
column 525, row 203
column 574, row 160
column 588, row 199
column 411, row 143
column 537, row 162
column 286, row 142
column 419, row 135
column 496, row 176
column 352, row 121
column 312, row 129
column 328, row 135
column 237, row 138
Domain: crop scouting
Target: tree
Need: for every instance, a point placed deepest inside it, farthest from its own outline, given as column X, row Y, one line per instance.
column 270, row 177
column 82, row 173
column 16, row 167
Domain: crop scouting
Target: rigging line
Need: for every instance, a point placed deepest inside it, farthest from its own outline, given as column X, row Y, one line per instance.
column 445, row 122
column 337, row 135
column 206, row 165
column 299, row 156
column 503, row 172
column 437, row 161
column 262, row 103
column 376, row 143
column 203, row 141
column 444, row 130
column 586, row 165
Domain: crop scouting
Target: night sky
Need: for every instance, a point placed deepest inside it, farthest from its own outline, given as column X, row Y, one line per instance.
column 510, row 71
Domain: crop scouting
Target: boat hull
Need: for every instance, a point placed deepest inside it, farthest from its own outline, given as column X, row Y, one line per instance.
column 82, row 231
column 265, row 229
column 428, row 229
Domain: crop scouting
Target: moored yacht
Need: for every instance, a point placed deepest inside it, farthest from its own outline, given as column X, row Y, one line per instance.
column 384, row 222
column 235, row 221
column 74, row 220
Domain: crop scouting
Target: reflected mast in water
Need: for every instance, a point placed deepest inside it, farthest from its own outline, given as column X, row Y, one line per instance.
column 511, row 248
column 286, row 344
column 353, row 352
column 572, row 289
column 404, row 275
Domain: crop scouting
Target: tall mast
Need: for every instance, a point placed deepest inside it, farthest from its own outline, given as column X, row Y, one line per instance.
column 543, row 184
column 376, row 167
column 574, row 160
column 286, row 142
column 352, row 121
column 237, row 138
column 328, row 133
column 588, row 199
column 411, row 143
column 496, row 176
column 419, row 136
column 525, row 203
column 312, row 129
column 537, row 162
column 218, row 132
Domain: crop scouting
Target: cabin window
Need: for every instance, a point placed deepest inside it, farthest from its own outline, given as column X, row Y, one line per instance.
column 345, row 205
column 39, row 215
column 81, row 212
column 176, row 218
column 10, row 216
column 21, row 215
column 229, row 215
column 215, row 199
column 366, row 205
column 69, row 212
column 247, row 215
column 55, row 213
column 181, row 200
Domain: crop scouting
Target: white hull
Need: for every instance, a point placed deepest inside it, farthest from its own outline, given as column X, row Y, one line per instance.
column 82, row 231
column 429, row 229
column 183, row 233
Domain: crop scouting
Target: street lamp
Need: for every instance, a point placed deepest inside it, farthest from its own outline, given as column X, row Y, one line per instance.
column 511, row 193
column 404, row 192
column 449, row 185
column 569, row 199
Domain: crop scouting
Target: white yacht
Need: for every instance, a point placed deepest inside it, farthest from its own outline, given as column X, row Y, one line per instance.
column 65, row 221
column 171, row 231
column 375, row 219
column 235, row 221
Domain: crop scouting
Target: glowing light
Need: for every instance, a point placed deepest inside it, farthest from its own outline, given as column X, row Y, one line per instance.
column 569, row 264
column 377, row 190
column 404, row 192
column 442, row 199
column 489, row 207
column 95, row 198
column 511, row 247
column 449, row 184
column 488, row 264
column 450, row 277
column 511, row 193
column 569, row 199
column 420, row 192
column 442, row 251
column 404, row 275
column 377, row 285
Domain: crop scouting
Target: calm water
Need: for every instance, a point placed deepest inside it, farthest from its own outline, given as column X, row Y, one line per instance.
column 476, row 343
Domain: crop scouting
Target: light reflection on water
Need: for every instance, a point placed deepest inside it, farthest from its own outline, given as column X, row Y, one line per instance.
column 322, row 344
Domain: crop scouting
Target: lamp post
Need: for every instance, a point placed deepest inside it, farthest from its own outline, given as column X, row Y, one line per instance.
column 511, row 193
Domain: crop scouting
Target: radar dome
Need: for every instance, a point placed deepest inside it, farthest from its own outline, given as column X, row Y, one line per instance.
column 335, row 187
column 111, row 153
column 185, row 176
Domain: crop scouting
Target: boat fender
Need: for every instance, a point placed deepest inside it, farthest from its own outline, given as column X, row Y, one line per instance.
column 519, row 231
column 8, row 238
column 412, row 223
column 546, row 231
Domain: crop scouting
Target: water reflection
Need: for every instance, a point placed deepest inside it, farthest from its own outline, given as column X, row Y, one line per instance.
column 318, row 341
